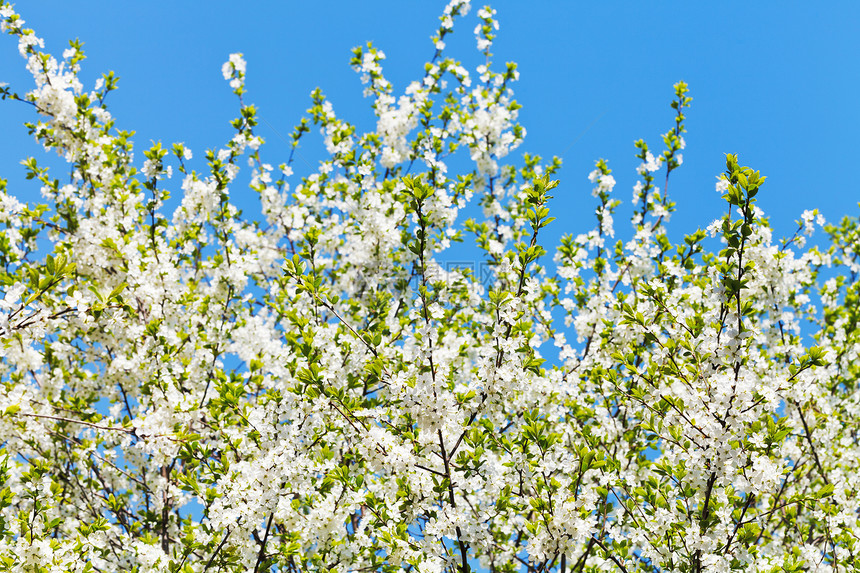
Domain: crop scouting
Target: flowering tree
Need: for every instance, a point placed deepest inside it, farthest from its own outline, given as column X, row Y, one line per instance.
column 198, row 391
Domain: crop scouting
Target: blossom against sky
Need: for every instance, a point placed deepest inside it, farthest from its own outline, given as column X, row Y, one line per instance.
column 774, row 85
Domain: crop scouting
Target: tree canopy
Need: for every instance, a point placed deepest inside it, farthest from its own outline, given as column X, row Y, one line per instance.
column 186, row 388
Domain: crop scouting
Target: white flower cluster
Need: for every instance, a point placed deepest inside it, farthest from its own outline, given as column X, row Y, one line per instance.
column 234, row 71
column 810, row 219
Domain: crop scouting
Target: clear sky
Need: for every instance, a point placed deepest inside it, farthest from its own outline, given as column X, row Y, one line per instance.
column 775, row 82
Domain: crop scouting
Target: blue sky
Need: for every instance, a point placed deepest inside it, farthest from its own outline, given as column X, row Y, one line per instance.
column 776, row 83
